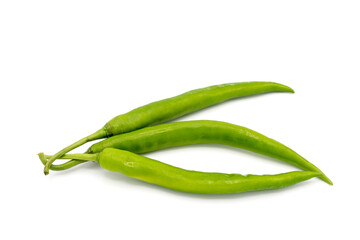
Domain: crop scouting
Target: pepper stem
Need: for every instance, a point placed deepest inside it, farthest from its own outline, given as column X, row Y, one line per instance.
column 81, row 157
column 78, row 156
column 97, row 135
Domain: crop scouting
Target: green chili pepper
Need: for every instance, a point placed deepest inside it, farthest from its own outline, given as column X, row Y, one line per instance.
column 198, row 132
column 156, row 172
column 171, row 108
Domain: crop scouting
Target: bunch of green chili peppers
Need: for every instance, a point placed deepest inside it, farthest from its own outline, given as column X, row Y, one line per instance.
column 140, row 131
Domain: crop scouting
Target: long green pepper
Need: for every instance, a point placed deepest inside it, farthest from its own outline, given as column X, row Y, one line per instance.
column 199, row 132
column 171, row 108
column 156, row 172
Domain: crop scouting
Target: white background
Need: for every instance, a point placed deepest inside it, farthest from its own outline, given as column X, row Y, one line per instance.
column 67, row 67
